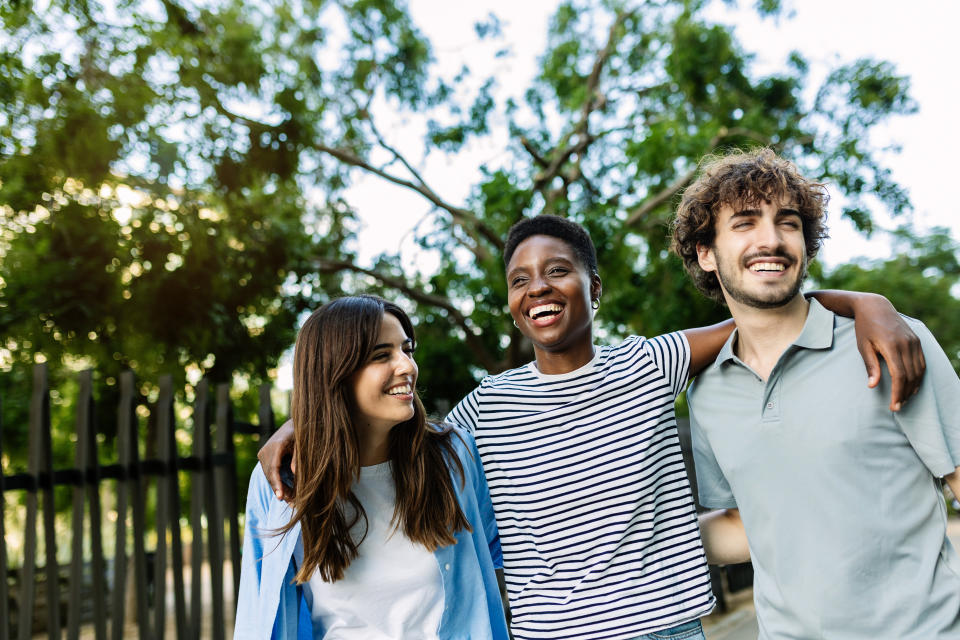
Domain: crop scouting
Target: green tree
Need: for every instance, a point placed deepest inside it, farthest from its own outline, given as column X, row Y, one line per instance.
column 173, row 176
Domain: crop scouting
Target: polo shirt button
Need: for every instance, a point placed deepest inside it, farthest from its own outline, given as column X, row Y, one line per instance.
column 446, row 567
column 769, row 405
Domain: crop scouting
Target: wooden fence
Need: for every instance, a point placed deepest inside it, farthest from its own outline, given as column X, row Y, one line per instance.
column 91, row 596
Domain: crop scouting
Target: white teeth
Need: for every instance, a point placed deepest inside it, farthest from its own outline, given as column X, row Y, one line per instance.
column 399, row 391
column 544, row 308
column 767, row 266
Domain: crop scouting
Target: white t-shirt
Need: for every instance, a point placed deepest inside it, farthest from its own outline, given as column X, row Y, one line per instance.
column 596, row 518
column 393, row 589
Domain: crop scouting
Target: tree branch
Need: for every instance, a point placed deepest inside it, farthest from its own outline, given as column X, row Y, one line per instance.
column 581, row 130
column 647, row 207
column 464, row 218
column 487, row 360
column 467, row 220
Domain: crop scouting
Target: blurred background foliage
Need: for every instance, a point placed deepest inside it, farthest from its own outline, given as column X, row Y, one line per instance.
column 174, row 179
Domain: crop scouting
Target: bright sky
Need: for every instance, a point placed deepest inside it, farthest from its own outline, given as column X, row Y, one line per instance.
column 915, row 37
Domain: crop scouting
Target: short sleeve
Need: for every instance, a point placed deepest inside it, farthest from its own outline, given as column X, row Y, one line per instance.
column 712, row 487
column 931, row 419
column 467, row 412
column 671, row 354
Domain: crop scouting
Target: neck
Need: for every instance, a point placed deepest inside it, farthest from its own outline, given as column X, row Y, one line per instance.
column 565, row 361
column 374, row 445
column 764, row 334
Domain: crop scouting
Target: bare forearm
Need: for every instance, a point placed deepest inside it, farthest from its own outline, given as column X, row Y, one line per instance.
column 705, row 344
column 724, row 538
column 953, row 481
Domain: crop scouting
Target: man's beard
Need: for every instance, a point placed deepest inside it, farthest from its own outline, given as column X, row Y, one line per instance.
column 773, row 299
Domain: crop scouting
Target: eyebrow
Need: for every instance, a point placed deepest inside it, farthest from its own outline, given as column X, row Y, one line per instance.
column 387, row 345
column 750, row 213
column 549, row 260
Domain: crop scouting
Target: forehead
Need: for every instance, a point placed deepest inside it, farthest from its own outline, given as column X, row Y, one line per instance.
column 391, row 330
column 540, row 248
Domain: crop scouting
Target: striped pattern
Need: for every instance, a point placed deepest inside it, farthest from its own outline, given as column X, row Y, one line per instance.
column 596, row 518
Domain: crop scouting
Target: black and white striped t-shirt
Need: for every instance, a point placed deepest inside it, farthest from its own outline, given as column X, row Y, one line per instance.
column 596, row 517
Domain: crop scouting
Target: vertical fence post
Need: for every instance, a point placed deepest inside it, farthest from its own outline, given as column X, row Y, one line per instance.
column 128, row 389
column 98, row 566
column 87, row 469
column 214, row 535
column 4, row 601
column 227, row 480
column 168, row 516
column 40, row 469
column 129, row 493
column 201, row 453
column 45, row 468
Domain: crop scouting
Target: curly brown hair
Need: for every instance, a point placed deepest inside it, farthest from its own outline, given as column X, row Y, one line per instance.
column 737, row 179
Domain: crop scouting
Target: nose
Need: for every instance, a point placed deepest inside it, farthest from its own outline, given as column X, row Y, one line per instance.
column 405, row 365
column 538, row 286
column 768, row 235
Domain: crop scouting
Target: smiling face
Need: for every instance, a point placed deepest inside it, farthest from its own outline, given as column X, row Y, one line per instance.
column 383, row 387
column 758, row 254
column 549, row 294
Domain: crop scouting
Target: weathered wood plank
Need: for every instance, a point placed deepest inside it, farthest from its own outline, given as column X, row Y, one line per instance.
column 227, row 482
column 118, row 597
column 201, row 451
column 129, row 422
column 77, row 592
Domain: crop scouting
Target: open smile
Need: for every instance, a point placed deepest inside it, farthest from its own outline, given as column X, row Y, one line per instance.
column 768, row 266
column 545, row 314
column 401, row 391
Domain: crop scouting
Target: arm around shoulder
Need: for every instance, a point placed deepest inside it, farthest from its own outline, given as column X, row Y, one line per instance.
column 706, row 343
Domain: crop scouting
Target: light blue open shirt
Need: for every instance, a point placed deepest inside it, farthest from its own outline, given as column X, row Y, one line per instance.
column 272, row 605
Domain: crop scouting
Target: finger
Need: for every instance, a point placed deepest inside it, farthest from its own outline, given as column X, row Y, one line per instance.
column 271, row 468
column 920, row 364
column 872, row 364
column 899, row 383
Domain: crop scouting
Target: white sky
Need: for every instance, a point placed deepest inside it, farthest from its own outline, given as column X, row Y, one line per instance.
column 918, row 37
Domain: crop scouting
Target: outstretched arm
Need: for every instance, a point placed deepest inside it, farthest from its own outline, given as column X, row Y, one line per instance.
column 881, row 331
column 271, row 457
column 705, row 344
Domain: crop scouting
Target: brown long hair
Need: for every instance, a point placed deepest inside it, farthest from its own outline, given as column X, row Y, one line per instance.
column 335, row 342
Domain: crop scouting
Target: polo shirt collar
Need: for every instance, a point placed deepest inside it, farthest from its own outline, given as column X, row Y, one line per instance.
column 818, row 329
column 817, row 333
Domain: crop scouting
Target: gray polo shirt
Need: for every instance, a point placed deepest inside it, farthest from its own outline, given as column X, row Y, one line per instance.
column 844, row 514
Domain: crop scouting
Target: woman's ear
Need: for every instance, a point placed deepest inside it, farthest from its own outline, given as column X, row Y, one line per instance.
column 596, row 287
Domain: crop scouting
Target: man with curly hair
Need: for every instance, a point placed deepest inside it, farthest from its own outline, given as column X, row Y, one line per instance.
column 835, row 497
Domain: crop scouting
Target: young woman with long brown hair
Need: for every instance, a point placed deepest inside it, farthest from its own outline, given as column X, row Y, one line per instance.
column 391, row 532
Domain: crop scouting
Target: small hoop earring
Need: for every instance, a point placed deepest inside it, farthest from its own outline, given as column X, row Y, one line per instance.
column 515, row 324
column 595, row 304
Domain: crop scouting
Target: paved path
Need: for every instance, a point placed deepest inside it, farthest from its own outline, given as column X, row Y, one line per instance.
column 741, row 622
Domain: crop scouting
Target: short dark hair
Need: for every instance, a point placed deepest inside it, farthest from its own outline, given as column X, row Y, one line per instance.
column 736, row 179
column 546, row 224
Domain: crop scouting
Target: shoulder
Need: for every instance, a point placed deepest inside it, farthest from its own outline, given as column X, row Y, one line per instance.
column 461, row 440
column 510, row 376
